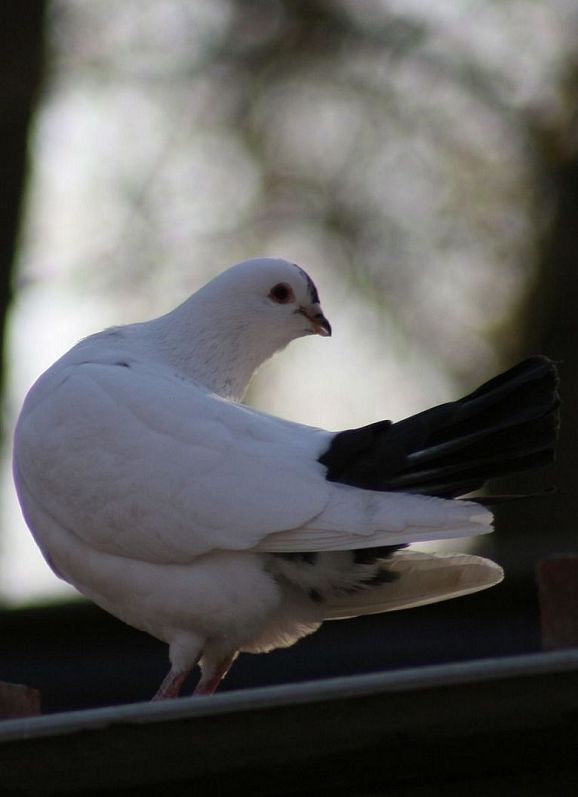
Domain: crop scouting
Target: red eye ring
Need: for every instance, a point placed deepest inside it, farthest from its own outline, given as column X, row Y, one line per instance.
column 282, row 293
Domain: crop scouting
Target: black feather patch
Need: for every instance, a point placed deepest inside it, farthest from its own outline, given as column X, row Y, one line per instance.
column 312, row 290
column 369, row 556
column 508, row 424
column 307, row 557
column 382, row 577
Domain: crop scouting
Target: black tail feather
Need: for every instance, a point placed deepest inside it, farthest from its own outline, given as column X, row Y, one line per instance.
column 508, row 424
column 492, row 500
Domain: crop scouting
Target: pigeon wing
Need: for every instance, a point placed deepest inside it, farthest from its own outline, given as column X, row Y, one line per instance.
column 137, row 461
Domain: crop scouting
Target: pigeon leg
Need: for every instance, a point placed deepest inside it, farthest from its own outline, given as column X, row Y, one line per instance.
column 172, row 683
column 210, row 680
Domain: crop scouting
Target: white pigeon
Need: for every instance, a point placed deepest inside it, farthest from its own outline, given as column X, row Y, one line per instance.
column 220, row 529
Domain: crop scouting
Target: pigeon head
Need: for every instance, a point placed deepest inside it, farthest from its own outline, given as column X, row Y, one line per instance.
column 237, row 321
column 278, row 298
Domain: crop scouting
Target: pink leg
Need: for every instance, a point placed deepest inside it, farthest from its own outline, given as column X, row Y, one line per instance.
column 210, row 681
column 171, row 685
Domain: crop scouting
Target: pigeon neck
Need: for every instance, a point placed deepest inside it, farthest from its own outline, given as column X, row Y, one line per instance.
column 218, row 350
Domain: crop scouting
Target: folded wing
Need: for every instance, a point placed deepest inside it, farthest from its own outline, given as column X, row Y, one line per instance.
column 139, row 462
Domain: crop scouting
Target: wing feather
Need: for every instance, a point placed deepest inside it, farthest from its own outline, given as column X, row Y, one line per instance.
column 162, row 470
column 423, row 579
column 139, row 462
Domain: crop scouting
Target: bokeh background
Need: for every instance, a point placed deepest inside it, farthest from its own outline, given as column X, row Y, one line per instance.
column 419, row 158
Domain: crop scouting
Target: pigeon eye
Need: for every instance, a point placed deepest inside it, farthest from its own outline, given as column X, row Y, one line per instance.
column 281, row 293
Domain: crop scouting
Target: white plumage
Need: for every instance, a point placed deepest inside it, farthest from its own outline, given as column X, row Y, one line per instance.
column 161, row 498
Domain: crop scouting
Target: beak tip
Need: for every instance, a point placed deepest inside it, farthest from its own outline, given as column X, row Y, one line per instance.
column 319, row 324
column 322, row 326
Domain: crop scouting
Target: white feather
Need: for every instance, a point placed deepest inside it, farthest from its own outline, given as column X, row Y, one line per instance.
column 423, row 579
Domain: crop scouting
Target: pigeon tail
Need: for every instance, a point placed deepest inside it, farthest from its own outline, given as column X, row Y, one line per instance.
column 508, row 424
column 418, row 579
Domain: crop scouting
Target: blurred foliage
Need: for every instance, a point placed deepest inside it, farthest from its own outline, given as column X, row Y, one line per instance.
column 387, row 142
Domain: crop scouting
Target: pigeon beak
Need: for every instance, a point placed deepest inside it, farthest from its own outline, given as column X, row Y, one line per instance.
column 320, row 325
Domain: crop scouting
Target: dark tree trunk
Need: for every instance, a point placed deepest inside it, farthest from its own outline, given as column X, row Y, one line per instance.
column 538, row 527
column 21, row 62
